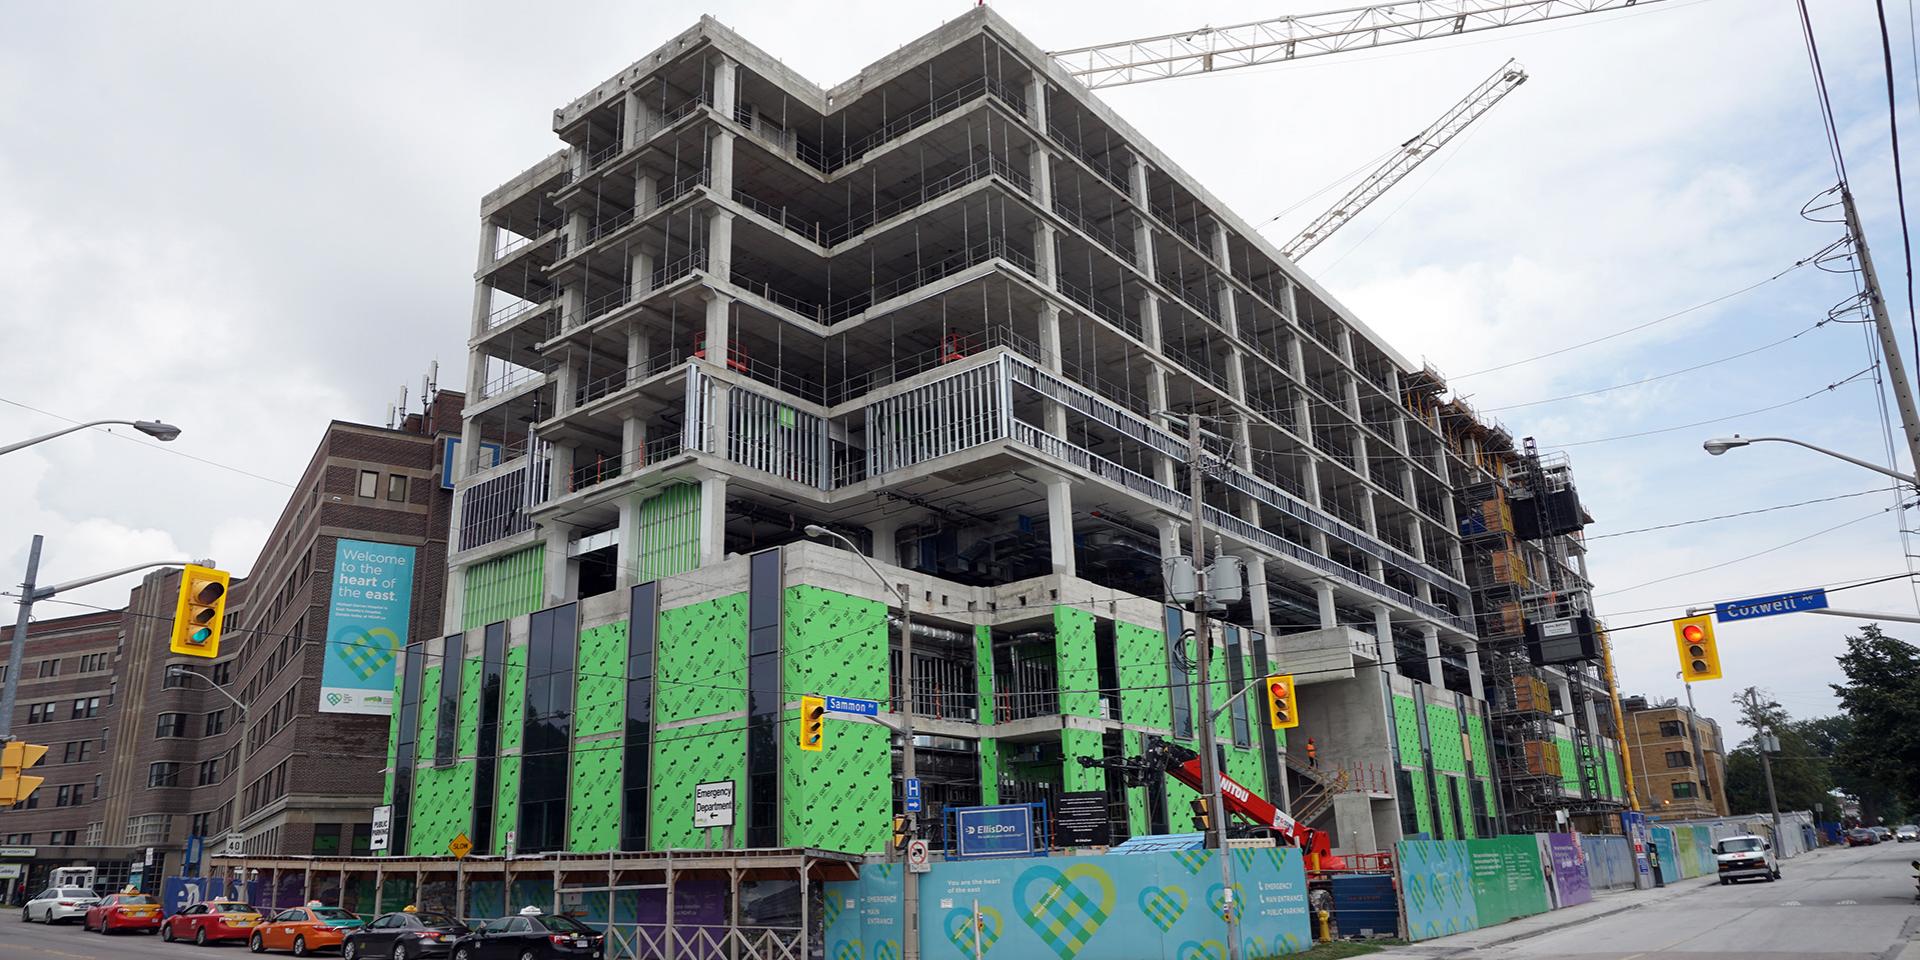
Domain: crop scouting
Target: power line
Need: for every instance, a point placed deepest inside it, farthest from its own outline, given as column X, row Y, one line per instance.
column 1899, row 181
column 151, row 446
column 1743, row 513
column 1750, row 556
column 1662, row 376
column 1701, row 423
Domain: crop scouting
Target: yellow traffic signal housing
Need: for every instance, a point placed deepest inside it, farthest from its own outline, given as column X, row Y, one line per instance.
column 15, row 785
column 1283, row 705
column 1699, row 658
column 197, row 618
column 1202, row 816
column 900, row 834
column 813, row 723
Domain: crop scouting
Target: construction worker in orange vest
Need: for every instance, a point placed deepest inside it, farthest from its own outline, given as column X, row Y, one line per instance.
column 1313, row 755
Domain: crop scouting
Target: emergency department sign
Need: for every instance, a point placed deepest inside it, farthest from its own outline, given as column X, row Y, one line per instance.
column 367, row 616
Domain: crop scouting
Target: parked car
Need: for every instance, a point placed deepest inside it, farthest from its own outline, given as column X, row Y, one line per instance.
column 1881, row 834
column 531, row 936
column 1906, row 833
column 55, row 904
column 123, row 911
column 1745, row 856
column 305, row 929
column 1861, row 837
column 204, row 923
column 405, row 935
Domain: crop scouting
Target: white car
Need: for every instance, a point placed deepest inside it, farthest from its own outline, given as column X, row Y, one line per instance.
column 55, row 904
column 1745, row 856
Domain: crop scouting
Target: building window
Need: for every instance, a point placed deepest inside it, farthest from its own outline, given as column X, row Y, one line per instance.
column 447, row 721
column 1177, row 675
column 41, row 712
column 369, row 483
column 493, row 661
column 49, row 668
column 209, row 772
column 397, row 488
column 764, row 706
column 1241, row 723
column 148, row 829
column 413, row 662
column 326, row 839
column 552, row 636
column 1670, row 728
column 1683, row 790
column 163, row 774
column 98, row 780
column 86, row 708
column 169, row 725
column 175, row 677
column 200, row 824
column 1678, row 758
column 93, row 662
column 78, row 751
column 643, row 626
column 216, row 723
column 223, row 672
column 63, row 838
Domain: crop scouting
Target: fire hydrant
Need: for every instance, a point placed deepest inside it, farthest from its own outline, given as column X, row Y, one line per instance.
column 1326, row 924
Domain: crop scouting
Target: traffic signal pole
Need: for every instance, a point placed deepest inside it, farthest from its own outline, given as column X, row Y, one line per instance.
column 1216, row 833
column 16, row 654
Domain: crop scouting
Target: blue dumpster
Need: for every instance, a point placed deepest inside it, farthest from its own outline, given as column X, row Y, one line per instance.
column 1365, row 904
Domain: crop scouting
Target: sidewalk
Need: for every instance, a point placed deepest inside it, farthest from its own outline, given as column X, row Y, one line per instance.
column 1604, row 904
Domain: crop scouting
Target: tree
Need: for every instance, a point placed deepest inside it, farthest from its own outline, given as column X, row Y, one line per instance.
column 1881, row 698
column 1878, row 802
column 1800, row 775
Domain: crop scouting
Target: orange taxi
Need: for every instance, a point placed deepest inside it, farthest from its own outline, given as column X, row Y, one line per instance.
column 304, row 930
column 204, row 923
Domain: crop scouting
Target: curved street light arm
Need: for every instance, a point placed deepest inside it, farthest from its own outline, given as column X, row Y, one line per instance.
column 1856, row 461
column 152, row 428
column 180, row 671
column 42, row 593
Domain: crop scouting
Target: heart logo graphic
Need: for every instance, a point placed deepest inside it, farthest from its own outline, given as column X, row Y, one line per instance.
column 1193, row 860
column 886, row 950
column 845, row 950
column 365, row 652
column 1201, row 950
column 1217, row 898
column 1163, row 905
column 959, row 924
column 830, row 914
column 1065, row 907
column 1282, row 945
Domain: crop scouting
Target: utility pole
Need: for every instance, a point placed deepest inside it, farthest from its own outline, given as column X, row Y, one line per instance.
column 1216, row 834
column 910, row 881
column 1762, row 741
column 1889, row 341
column 16, row 655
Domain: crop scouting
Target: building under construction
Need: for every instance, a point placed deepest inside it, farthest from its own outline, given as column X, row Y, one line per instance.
column 955, row 311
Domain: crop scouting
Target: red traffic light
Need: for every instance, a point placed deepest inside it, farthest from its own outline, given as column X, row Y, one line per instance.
column 1693, row 633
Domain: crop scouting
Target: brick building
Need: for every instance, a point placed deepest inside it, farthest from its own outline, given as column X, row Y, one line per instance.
column 173, row 754
column 1679, row 760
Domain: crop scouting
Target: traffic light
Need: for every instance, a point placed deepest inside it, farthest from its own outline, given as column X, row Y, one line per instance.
column 197, row 617
column 813, row 723
column 1699, row 660
column 901, row 834
column 1283, row 709
column 15, row 785
column 1202, row 816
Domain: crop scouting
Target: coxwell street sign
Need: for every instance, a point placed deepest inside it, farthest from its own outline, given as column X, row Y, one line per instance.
column 1772, row 606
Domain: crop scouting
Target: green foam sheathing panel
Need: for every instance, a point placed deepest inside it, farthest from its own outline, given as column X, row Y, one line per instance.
column 1140, row 653
column 1406, row 726
column 442, row 796
column 1443, row 734
column 513, row 700
column 1569, row 765
column 989, row 771
column 1618, row 785
column 701, row 667
column 1443, row 795
column 468, row 742
column 1073, row 776
column 836, row 798
column 504, row 587
column 666, row 530
column 1077, row 661
column 989, row 748
column 683, row 757
column 1477, row 735
column 599, row 701
column 1422, row 809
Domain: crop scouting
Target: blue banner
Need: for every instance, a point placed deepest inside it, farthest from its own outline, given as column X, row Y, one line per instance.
column 1004, row 831
column 367, row 617
column 1770, row 606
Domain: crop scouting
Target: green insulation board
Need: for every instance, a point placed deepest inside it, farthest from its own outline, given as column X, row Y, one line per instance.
column 836, row 798
column 504, row 587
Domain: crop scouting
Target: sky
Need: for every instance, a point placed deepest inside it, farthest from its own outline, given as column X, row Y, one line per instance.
column 249, row 222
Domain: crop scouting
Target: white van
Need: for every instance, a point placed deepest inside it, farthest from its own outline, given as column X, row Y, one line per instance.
column 1745, row 856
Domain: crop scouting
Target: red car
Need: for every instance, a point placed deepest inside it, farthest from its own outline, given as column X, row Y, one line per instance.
column 204, row 923
column 123, row 911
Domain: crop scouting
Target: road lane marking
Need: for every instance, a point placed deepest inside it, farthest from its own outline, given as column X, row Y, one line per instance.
column 1847, row 903
column 1789, row 903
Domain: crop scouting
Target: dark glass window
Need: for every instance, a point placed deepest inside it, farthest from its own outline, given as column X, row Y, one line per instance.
column 643, row 623
column 453, row 651
column 552, row 636
column 763, row 700
column 1236, row 682
column 487, row 764
column 1269, row 743
column 1177, row 675
column 413, row 663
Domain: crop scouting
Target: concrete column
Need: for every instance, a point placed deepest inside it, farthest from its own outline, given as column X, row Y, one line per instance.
column 886, row 540
column 562, row 574
column 1037, row 99
column 644, row 260
column 573, row 302
column 1150, row 320
column 1383, row 638
column 713, row 519
column 633, row 442
column 1409, row 490
column 1262, row 604
column 1416, row 545
column 560, row 468
column 633, row 118
column 1171, row 545
column 566, row 381
column 1566, row 697
column 1361, row 463
column 1157, row 402
column 639, row 346
column 720, row 244
column 1353, row 824
column 719, row 320
column 1351, row 385
column 1323, row 594
column 1217, row 245
column 1050, row 337
column 646, row 192
column 624, row 562
column 1431, row 634
column 1236, row 374
column 1343, row 338
column 1040, row 169
column 1044, row 264
column 726, row 85
column 1476, row 685
column 720, row 164
column 1060, row 524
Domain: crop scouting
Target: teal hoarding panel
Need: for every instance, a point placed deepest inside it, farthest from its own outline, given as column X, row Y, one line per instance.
column 1436, row 886
column 369, row 607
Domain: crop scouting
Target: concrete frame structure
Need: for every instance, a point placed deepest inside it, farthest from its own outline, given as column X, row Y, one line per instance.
column 954, row 308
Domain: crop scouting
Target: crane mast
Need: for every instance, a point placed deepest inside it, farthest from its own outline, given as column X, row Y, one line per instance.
column 1411, row 154
column 1213, row 49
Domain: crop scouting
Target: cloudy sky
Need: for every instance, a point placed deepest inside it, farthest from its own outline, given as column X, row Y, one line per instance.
column 249, row 221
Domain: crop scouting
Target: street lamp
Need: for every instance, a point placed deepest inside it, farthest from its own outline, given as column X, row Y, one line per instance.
column 1721, row 445
column 240, row 738
column 16, row 654
column 910, row 888
column 153, row 428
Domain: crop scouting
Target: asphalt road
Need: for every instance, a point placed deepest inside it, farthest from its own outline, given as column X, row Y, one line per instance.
column 1848, row 904
column 68, row 942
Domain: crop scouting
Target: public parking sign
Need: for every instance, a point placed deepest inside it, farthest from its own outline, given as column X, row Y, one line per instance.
column 1002, row 831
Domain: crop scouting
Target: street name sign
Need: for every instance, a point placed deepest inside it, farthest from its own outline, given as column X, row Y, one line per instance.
column 1771, row 606
column 865, row 708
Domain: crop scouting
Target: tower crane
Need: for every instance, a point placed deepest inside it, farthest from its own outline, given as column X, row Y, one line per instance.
column 1213, row 49
column 1411, row 154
